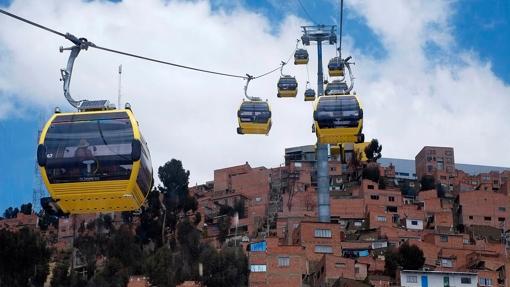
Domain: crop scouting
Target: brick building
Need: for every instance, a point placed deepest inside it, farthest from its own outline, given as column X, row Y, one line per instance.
column 438, row 162
column 21, row 220
column 479, row 207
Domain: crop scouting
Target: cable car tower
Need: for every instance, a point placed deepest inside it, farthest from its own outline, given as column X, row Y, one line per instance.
column 320, row 34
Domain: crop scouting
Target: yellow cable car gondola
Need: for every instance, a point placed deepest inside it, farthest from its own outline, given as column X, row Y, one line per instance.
column 287, row 87
column 336, row 67
column 338, row 119
column 309, row 95
column 301, row 57
column 254, row 117
column 336, row 87
column 95, row 161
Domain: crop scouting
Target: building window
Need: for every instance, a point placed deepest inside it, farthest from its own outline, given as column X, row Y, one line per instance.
column 356, row 270
column 443, row 238
column 258, row 199
column 370, row 186
column 429, row 158
column 440, row 163
column 502, row 209
column 487, row 218
column 465, row 280
column 283, row 261
column 391, row 198
column 495, row 182
column 391, row 208
column 471, row 217
column 381, row 218
column 414, row 222
column 466, row 241
column 377, row 245
column 446, row 263
column 485, row 282
column 323, row 249
column 339, row 265
column 374, row 197
column 412, row 279
column 501, row 219
column 429, row 168
column 324, row 233
column 258, row 268
column 357, row 223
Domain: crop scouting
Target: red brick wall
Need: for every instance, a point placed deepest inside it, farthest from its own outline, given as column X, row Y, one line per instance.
column 306, row 233
column 481, row 204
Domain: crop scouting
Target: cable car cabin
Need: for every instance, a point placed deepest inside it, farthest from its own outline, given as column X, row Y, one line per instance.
column 300, row 57
column 95, row 161
column 348, row 151
column 336, row 87
column 309, row 95
column 254, row 117
column 287, row 87
column 338, row 119
column 336, row 67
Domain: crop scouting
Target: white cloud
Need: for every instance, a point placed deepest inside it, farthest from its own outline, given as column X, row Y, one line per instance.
column 409, row 102
column 414, row 98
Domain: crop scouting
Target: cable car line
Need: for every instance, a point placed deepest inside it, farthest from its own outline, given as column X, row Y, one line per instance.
column 306, row 12
column 341, row 24
column 32, row 23
column 84, row 44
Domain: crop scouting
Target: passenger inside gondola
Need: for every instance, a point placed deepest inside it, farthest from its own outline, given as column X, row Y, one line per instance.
column 337, row 112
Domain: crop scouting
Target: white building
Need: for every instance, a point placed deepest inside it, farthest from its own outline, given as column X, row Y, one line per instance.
column 414, row 224
column 419, row 278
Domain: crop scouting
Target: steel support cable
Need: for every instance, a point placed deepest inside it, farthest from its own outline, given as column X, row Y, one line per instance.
column 306, row 12
column 83, row 43
column 341, row 24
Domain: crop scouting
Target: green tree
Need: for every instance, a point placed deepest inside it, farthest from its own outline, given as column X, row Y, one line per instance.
column 411, row 257
column 371, row 172
column 11, row 212
column 114, row 274
column 427, row 182
column 123, row 247
column 175, row 179
column 26, row 208
column 228, row 268
column 160, row 267
column 391, row 262
column 373, row 151
column 24, row 258
column 45, row 220
column 61, row 274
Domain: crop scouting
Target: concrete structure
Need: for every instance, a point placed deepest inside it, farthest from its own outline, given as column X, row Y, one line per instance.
column 416, row 278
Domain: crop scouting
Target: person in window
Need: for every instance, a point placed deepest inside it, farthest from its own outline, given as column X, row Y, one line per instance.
column 83, row 152
column 85, row 157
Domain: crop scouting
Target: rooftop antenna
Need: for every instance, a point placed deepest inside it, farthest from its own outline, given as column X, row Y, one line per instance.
column 120, row 85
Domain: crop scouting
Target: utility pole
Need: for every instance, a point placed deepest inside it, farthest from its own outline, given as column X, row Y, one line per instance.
column 319, row 34
column 120, row 85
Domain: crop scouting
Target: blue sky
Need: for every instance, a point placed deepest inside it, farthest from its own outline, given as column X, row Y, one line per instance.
column 478, row 26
